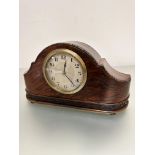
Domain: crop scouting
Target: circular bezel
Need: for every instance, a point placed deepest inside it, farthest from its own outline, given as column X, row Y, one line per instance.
column 76, row 56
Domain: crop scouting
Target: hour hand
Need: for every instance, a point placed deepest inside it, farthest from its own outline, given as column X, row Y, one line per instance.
column 65, row 67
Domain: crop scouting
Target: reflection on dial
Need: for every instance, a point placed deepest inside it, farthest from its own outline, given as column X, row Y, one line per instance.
column 65, row 72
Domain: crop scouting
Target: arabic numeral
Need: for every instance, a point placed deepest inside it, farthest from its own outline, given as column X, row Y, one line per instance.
column 56, row 59
column 63, row 56
column 58, row 83
column 52, row 64
column 65, row 86
column 53, row 78
column 79, row 73
column 77, row 65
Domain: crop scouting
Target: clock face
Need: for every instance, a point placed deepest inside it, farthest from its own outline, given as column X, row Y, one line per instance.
column 65, row 71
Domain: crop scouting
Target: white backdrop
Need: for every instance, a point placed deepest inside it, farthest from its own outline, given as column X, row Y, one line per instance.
column 107, row 25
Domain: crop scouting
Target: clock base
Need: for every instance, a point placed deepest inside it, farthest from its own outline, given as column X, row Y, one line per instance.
column 107, row 108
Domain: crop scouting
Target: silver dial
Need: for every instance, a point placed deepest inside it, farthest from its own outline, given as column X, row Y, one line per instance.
column 65, row 71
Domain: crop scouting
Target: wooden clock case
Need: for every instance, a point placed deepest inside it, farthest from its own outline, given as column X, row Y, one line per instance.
column 106, row 90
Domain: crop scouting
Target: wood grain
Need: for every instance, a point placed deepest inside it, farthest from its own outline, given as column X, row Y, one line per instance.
column 105, row 89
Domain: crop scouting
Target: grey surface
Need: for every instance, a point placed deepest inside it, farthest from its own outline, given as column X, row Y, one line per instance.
column 50, row 130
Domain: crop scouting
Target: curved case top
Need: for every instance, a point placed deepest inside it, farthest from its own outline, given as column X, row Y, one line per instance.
column 106, row 89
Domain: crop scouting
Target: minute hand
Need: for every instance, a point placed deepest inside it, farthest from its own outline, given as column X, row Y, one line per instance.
column 69, row 79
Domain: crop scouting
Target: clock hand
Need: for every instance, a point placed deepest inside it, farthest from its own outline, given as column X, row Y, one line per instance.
column 65, row 67
column 66, row 75
column 69, row 79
